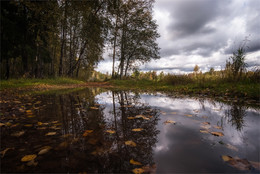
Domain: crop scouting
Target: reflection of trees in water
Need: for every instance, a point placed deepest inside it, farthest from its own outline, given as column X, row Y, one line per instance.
column 235, row 114
column 104, row 152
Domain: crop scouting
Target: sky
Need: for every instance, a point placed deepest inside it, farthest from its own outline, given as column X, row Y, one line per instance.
column 202, row 32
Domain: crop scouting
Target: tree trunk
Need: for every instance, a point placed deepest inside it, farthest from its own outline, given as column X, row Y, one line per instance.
column 114, row 49
column 7, row 66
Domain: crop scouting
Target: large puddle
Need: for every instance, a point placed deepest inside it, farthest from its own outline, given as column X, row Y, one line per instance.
column 123, row 132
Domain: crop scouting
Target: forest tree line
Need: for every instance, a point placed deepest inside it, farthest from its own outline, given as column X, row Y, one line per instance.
column 67, row 38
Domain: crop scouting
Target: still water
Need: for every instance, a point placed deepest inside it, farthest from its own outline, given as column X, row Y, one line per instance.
column 91, row 131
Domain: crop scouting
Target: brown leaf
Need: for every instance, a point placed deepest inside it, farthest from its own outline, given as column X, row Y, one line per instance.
column 87, row 132
column 130, row 143
column 111, row 131
column 51, row 133
column 95, row 108
column 4, row 151
column 135, row 162
column 28, row 158
column 32, row 163
column 138, row 170
column 44, row 150
column 217, row 127
column 219, row 134
column 204, row 131
column 231, row 147
column 188, row 115
column 206, row 123
column 256, row 165
column 169, row 122
column 18, row 134
column 2, row 124
column 131, row 118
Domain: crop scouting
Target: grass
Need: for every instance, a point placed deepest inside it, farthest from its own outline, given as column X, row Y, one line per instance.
column 240, row 89
column 20, row 83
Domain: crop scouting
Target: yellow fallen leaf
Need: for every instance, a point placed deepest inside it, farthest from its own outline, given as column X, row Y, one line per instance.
column 54, row 122
column 142, row 116
column 32, row 163
column 217, row 127
column 217, row 134
column 111, row 131
column 188, row 115
column 28, row 111
column 169, row 122
column 163, row 113
column 87, row 132
column 226, row 158
column 50, row 133
column 8, row 124
column 28, row 125
column 173, row 112
column 31, row 116
column 130, row 143
column 231, row 147
column 135, row 162
column 204, row 131
column 137, row 129
column 95, row 108
column 28, row 158
column 206, row 123
column 131, row 118
column 44, row 150
column 205, row 126
column 39, row 123
column 138, row 170
column 2, row 124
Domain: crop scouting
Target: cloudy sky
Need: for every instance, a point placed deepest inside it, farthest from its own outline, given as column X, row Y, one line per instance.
column 202, row 32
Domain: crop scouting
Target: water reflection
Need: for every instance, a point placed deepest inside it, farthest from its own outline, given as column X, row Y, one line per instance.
column 87, row 131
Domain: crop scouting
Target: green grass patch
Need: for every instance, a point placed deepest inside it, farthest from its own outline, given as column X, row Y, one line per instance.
column 17, row 83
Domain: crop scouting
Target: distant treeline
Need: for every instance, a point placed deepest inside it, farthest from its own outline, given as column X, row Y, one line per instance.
column 67, row 38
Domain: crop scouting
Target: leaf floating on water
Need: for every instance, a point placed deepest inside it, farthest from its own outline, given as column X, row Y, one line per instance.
column 32, row 163
column 205, row 117
column 44, row 150
column 28, row 125
column 169, row 122
column 138, row 170
column 142, row 116
column 130, row 143
column 131, row 118
column 87, row 132
column 219, row 134
column 188, row 115
column 256, row 165
column 196, row 111
column 204, row 131
column 217, row 127
column 95, row 108
column 135, row 162
column 111, row 131
column 163, row 113
column 226, row 158
column 205, row 126
column 18, row 134
column 4, row 151
column 231, row 147
column 54, row 122
column 27, row 158
column 174, row 113
column 39, row 123
column 137, row 129
column 51, row 133
column 2, row 124
column 206, row 123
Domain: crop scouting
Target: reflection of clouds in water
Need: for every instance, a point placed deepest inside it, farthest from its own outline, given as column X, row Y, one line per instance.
column 215, row 111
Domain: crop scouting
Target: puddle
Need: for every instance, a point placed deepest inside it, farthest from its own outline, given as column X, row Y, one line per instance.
column 122, row 132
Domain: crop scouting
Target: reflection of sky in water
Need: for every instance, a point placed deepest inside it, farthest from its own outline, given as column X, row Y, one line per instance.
column 182, row 147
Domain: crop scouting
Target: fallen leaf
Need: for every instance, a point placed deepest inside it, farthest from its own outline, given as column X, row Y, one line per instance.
column 142, row 116
column 54, row 122
column 231, row 147
column 131, row 118
column 111, row 131
column 50, row 133
column 217, row 127
column 28, row 125
column 4, row 151
column 138, row 170
column 169, row 122
column 205, row 117
column 137, row 129
column 241, row 164
column 44, row 150
column 204, row 131
column 2, row 124
column 28, row 158
column 205, row 126
column 206, row 123
column 32, row 163
column 188, row 115
column 135, row 162
column 196, row 111
column 28, row 111
column 256, row 165
column 130, row 143
column 226, row 158
column 163, row 113
column 39, row 123
column 8, row 124
column 219, row 134
column 95, row 108
column 173, row 112
column 87, row 132
column 18, row 134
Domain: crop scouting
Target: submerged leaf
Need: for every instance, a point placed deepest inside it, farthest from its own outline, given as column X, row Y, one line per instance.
column 44, row 150
column 111, row 131
column 169, row 122
column 217, row 134
column 137, row 129
column 18, row 134
column 50, row 133
column 135, row 162
column 138, row 170
column 87, row 132
column 28, row 158
column 130, row 143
